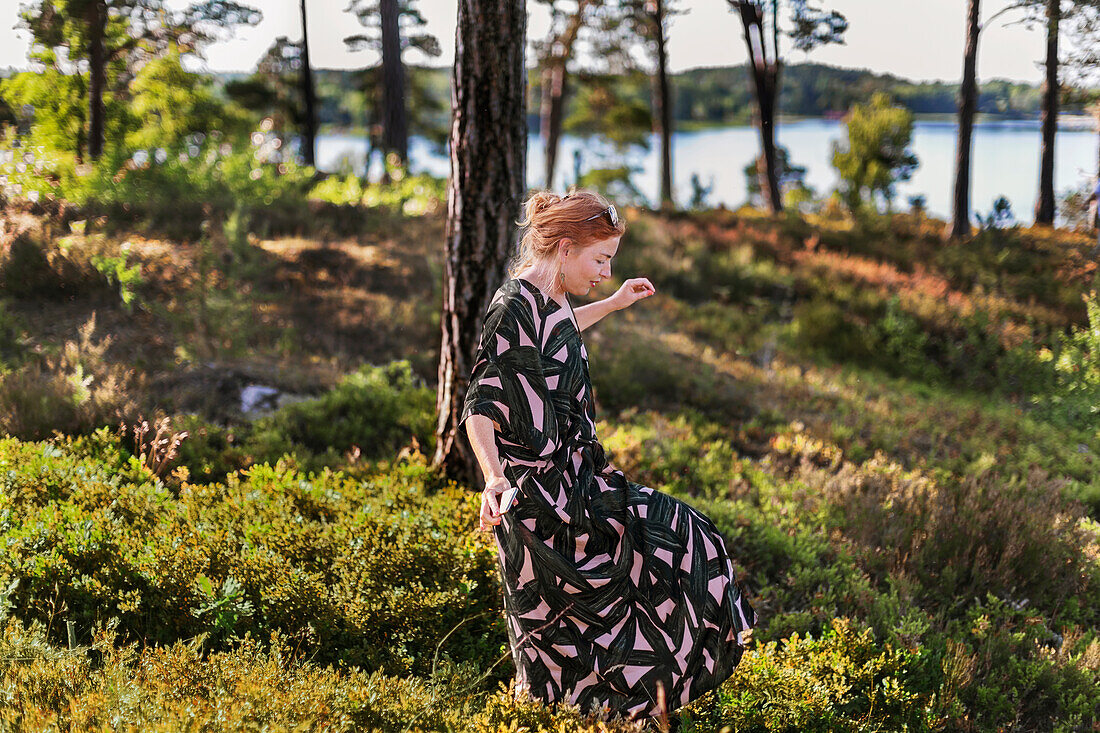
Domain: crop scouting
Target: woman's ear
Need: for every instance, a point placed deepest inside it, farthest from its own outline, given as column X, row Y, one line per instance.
column 565, row 245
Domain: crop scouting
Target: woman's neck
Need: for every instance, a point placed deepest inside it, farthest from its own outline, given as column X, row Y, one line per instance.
column 544, row 281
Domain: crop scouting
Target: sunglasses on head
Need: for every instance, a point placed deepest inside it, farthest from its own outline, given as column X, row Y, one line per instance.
column 612, row 215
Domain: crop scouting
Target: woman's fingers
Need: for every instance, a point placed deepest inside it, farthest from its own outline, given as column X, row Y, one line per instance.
column 490, row 509
column 492, row 497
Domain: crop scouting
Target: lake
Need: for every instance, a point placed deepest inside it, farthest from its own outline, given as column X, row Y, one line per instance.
column 1005, row 161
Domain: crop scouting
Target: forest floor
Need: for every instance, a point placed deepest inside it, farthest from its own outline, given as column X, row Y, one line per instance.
column 868, row 412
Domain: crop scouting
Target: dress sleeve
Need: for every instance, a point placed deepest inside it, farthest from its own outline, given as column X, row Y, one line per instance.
column 507, row 383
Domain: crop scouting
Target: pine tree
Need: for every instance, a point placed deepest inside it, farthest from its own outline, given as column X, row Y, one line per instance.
column 810, row 27
column 484, row 195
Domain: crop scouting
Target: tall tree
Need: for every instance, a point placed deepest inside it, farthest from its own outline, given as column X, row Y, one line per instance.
column 655, row 10
column 650, row 20
column 810, row 27
column 396, row 129
column 1052, row 15
column 384, row 20
column 103, row 33
column 484, row 194
column 968, row 102
column 554, row 54
column 309, row 102
column 1044, row 207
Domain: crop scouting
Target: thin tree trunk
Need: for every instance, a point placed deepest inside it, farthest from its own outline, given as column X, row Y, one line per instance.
column 662, row 97
column 97, row 72
column 309, row 129
column 764, row 78
column 1044, row 207
column 968, row 102
column 767, row 138
column 395, row 129
column 771, row 157
column 555, row 81
column 485, row 190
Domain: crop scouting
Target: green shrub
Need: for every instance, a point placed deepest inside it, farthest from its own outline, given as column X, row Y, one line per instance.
column 378, row 409
column 111, row 685
column 200, row 171
column 1013, row 666
column 370, row 414
column 1075, row 397
column 821, row 325
column 836, row 682
column 13, row 338
column 373, row 573
column 411, row 195
column 641, row 370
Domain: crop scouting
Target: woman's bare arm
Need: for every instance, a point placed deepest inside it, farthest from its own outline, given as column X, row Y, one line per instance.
column 589, row 314
column 629, row 292
column 481, row 430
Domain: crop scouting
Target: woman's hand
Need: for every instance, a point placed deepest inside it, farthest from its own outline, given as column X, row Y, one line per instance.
column 632, row 291
column 490, row 503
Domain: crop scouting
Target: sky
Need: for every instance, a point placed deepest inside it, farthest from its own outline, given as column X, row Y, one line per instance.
column 915, row 39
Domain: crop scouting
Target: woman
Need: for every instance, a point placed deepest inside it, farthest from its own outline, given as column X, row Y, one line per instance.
column 614, row 593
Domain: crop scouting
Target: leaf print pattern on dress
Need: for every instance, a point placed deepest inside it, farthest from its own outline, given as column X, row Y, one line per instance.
column 611, row 588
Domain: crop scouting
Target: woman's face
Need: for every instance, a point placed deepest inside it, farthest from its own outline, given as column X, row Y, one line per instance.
column 587, row 267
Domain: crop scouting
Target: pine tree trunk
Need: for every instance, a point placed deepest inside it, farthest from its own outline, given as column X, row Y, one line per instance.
column 550, row 111
column 485, row 190
column 767, row 139
column 395, row 126
column 968, row 103
column 309, row 128
column 97, row 71
column 555, row 80
column 765, row 78
column 1044, row 207
column 662, row 97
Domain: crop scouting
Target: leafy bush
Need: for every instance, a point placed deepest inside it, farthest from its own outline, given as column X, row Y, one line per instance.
column 1011, row 665
column 372, row 412
column 410, row 195
column 832, row 683
column 1075, row 396
column 876, row 154
column 111, row 685
column 372, row 573
column 200, row 171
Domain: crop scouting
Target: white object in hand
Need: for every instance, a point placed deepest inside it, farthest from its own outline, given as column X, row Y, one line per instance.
column 506, row 498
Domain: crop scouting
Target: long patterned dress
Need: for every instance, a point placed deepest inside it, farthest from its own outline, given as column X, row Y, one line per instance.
column 611, row 588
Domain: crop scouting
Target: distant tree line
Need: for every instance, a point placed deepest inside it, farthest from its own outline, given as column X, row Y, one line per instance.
column 717, row 95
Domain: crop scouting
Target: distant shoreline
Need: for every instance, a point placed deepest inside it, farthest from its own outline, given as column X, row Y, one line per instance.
column 1069, row 122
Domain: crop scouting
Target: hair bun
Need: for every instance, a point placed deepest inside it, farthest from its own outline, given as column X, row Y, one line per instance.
column 544, row 200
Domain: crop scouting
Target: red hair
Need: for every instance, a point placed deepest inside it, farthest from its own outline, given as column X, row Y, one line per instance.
column 549, row 218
